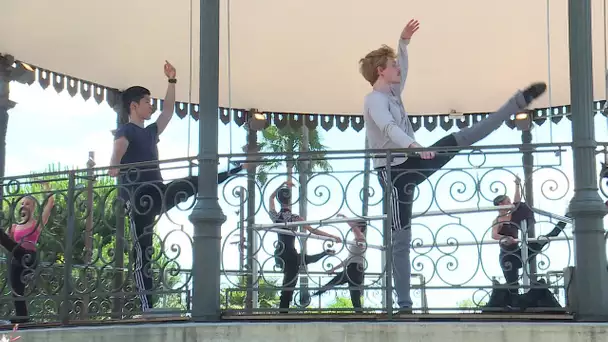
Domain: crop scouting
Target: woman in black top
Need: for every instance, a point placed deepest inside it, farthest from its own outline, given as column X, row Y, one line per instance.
column 286, row 255
column 506, row 230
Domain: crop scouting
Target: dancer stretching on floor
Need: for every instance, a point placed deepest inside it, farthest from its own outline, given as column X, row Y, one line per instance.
column 388, row 127
column 286, row 255
column 142, row 186
column 21, row 242
column 354, row 265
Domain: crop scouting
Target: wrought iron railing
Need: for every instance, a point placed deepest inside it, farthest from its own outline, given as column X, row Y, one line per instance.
column 86, row 257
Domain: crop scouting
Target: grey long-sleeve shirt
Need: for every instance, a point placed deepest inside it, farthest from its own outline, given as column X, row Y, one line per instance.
column 387, row 125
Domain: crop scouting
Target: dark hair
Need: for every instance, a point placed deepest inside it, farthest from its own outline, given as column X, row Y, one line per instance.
column 284, row 196
column 133, row 94
column 499, row 199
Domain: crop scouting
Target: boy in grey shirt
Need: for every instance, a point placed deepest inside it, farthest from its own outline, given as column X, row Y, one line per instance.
column 387, row 126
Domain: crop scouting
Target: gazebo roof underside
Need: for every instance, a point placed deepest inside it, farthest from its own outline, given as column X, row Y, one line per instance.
column 301, row 57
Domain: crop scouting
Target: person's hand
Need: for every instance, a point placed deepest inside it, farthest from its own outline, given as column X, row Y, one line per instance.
column 113, row 171
column 338, row 239
column 341, row 215
column 170, row 71
column 410, row 29
column 423, row 154
column 288, row 184
column 517, row 180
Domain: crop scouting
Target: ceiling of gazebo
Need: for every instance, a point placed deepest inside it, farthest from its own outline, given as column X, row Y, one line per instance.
column 301, row 56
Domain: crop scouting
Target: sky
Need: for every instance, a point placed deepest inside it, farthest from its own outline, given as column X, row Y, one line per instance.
column 48, row 128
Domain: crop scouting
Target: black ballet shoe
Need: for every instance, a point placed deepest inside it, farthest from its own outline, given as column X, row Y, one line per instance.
column 330, row 252
column 238, row 167
column 534, row 91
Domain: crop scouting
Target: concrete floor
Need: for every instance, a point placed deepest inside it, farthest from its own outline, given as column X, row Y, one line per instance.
column 326, row 332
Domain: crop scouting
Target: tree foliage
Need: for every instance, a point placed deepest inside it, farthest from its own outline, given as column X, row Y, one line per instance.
column 289, row 141
column 470, row 305
column 100, row 284
column 234, row 298
column 341, row 303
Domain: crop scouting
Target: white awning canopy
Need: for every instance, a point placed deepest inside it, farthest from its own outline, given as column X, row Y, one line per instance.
column 301, row 56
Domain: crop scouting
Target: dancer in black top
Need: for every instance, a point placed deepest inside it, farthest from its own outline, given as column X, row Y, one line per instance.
column 142, row 186
column 286, row 255
column 507, row 232
column 505, row 228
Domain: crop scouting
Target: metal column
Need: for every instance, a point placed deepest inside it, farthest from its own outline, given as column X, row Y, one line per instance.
column 527, row 160
column 207, row 216
column 590, row 278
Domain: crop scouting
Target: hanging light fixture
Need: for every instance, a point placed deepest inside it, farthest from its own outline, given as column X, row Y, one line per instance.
column 523, row 121
column 256, row 120
column 17, row 71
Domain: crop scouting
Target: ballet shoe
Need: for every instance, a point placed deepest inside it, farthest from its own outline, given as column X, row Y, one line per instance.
column 236, row 169
column 404, row 311
column 534, row 91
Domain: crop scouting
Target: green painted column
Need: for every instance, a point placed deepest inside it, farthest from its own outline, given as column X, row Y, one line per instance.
column 207, row 216
column 591, row 277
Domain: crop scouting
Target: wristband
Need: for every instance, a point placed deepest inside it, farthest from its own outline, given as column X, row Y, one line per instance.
column 173, row 80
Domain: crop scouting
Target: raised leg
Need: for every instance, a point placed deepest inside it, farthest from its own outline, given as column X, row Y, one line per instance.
column 470, row 135
column 338, row 280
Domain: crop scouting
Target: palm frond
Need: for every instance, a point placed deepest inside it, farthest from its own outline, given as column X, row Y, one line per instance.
column 288, row 141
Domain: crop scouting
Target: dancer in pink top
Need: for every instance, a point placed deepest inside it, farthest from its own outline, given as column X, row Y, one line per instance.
column 21, row 242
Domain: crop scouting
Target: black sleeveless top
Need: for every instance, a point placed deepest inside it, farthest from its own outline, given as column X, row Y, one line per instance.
column 509, row 229
column 285, row 242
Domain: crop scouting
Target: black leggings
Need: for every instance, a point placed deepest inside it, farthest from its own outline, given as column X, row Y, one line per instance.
column 291, row 262
column 510, row 263
column 145, row 203
column 353, row 276
column 22, row 263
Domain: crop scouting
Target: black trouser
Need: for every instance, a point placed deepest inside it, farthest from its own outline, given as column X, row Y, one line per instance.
column 353, row 276
column 510, row 263
column 146, row 202
column 407, row 175
column 404, row 179
column 535, row 248
column 291, row 262
column 22, row 263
